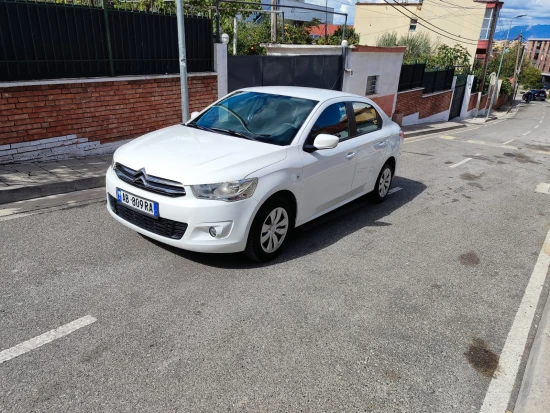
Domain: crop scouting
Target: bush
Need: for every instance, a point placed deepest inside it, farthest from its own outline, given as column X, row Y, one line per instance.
column 506, row 87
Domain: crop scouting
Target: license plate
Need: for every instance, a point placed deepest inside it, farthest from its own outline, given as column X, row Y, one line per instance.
column 142, row 205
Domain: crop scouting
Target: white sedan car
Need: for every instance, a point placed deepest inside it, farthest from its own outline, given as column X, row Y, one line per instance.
column 247, row 170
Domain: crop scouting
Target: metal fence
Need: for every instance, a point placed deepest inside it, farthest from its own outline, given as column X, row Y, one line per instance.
column 411, row 76
column 43, row 40
column 438, row 80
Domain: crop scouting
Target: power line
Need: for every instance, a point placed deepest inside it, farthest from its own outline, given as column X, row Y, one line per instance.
column 457, row 6
column 460, row 16
column 461, row 39
column 431, row 24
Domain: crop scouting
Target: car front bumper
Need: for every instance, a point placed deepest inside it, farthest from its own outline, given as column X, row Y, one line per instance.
column 231, row 219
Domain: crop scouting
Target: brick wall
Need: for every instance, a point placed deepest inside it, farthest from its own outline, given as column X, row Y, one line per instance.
column 502, row 99
column 385, row 103
column 473, row 102
column 412, row 101
column 483, row 101
column 58, row 120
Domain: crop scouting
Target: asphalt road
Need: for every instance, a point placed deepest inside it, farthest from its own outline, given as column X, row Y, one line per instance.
column 398, row 307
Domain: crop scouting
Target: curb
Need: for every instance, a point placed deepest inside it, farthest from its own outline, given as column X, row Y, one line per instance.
column 429, row 132
column 8, row 195
column 534, row 394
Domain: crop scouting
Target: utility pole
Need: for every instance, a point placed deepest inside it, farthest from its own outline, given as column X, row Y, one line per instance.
column 519, row 70
column 274, row 22
column 520, row 47
column 235, row 36
column 182, row 61
column 495, row 92
column 326, row 21
column 496, row 12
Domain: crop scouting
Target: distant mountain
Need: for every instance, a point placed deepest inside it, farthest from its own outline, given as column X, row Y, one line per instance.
column 540, row 31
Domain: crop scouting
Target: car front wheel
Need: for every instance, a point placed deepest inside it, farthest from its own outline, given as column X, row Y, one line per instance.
column 270, row 230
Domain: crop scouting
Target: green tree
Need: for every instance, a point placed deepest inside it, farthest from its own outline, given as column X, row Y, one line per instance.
column 508, row 63
column 250, row 36
column 531, row 77
column 419, row 45
column 388, row 39
column 336, row 38
column 447, row 57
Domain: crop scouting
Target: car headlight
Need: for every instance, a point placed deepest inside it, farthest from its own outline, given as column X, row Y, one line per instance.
column 226, row 191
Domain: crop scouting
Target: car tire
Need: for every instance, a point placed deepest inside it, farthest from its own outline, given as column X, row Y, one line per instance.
column 270, row 229
column 383, row 183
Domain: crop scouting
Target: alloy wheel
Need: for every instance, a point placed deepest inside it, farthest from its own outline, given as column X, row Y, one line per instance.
column 274, row 230
column 384, row 183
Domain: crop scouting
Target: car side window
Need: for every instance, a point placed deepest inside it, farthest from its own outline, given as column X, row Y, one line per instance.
column 366, row 118
column 333, row 121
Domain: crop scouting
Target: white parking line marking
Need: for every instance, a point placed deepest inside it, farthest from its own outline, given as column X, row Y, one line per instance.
column 541, row 120
column 526, row 133
column 489, row 144
column 502, row 383
column 536, row 126
column 394, row 190
column 507, row 142
column 461, row 162
column 45, row 338
column 543, row 188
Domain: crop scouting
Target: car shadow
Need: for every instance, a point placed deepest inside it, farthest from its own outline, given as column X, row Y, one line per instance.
column 319, row 233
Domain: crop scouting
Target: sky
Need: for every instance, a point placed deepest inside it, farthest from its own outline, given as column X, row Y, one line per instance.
column 538, row 11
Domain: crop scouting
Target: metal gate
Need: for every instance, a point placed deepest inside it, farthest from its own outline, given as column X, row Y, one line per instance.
column 323, row 71
column 458, row 96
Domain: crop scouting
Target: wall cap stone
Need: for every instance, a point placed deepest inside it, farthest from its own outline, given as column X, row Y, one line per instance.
column 411, row 90
column 98, row 79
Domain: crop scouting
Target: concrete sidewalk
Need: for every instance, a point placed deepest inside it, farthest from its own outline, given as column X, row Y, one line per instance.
column 23, row 181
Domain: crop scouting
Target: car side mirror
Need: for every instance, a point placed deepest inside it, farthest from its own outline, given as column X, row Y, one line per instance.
column 322, row 141
column 194, row 115
column 326, row 141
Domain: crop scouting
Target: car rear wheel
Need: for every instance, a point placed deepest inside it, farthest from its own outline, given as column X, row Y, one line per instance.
column 270, row 230
column 383, row 184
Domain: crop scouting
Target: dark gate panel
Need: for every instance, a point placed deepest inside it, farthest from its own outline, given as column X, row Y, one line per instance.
column 277, row 71
column 456, row 105
column 308, row 71
column 47, row 40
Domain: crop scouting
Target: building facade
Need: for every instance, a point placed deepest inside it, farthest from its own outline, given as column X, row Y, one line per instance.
column 492, row 11
column 449, row 22
column 538, row 53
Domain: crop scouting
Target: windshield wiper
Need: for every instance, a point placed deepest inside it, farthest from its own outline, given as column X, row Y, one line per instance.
column 194, row 125
column 233, row 133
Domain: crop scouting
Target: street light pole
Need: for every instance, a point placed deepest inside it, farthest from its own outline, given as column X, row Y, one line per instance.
column 182, row 61
column 500, row 65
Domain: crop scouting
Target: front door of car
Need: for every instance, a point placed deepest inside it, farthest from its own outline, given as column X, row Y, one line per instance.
column 328, row 173
column 372, row 145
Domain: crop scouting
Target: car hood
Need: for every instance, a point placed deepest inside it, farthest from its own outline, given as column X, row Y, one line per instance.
column 192, row 156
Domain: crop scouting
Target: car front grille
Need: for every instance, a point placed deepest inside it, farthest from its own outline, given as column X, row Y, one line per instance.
column 141, row 180
column 160, row 226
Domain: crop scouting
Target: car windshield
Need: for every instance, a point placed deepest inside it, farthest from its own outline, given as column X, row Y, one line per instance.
column 257, row 116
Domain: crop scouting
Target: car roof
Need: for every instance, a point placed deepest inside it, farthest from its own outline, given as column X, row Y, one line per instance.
column 301, row 92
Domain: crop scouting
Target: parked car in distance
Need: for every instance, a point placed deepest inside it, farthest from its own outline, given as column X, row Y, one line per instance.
column 248, row 169
column 538, row 94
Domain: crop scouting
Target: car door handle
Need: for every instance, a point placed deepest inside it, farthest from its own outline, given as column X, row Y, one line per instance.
column 380, row 144
column 350, row 155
